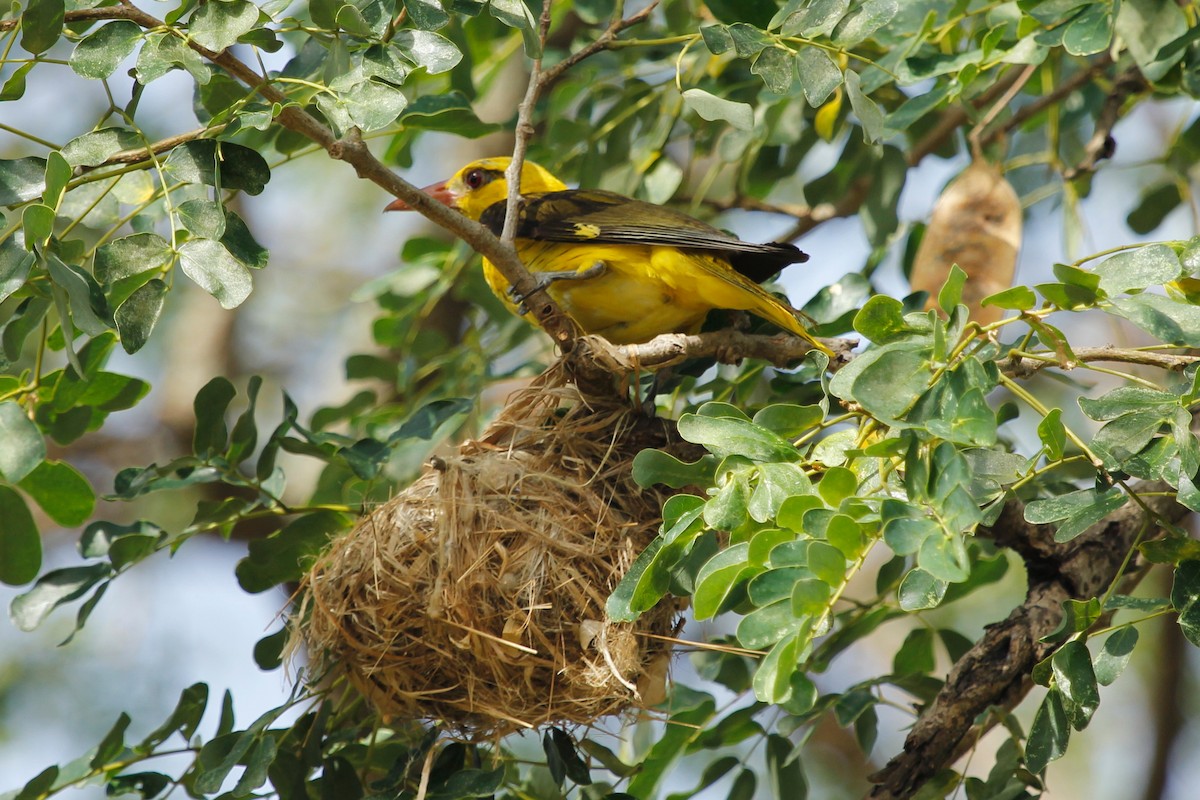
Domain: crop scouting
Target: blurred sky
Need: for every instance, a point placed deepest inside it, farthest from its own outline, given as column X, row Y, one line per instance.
column 173, row 621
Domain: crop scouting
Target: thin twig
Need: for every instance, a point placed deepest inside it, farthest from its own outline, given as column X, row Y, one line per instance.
column 603, row 42
column 1023, row 365
column 1102, row 145
column 138, row 154
column 1001, row 103
column 524, row 130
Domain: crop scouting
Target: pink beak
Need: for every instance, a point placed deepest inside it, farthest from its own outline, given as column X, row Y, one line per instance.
column 437, row 191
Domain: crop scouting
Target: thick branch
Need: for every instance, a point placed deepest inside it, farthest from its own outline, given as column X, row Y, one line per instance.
column 596, row 360
column 996, row 670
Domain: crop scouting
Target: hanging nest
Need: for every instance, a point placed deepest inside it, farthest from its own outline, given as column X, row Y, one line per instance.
column 477, row 595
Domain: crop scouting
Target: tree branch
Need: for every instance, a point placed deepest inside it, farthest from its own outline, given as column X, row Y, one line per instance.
column 1021, row 365
column 996, row 670
column 595, row 360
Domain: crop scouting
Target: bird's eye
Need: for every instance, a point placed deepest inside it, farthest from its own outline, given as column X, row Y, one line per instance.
column 474, row 178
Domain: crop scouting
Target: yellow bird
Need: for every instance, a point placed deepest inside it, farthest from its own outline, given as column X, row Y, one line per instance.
column 622, row 268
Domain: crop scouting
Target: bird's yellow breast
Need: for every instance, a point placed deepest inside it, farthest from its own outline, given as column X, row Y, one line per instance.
column 644, row 291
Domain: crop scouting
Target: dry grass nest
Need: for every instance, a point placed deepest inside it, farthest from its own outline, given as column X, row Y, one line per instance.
column 477, row 595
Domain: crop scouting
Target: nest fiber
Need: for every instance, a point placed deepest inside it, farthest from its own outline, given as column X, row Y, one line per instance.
column 477, row 595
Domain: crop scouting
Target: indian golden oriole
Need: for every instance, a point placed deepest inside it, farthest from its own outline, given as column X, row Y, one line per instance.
column 621, row 268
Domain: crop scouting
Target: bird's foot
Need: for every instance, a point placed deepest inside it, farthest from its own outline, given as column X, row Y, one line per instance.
column 544, row 279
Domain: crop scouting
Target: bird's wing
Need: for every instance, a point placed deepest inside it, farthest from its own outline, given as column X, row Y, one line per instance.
column 598, row 217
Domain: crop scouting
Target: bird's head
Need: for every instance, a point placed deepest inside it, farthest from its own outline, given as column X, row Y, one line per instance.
column 481, row 184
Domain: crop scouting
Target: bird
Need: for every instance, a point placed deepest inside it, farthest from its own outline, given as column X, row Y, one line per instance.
column 622, row 268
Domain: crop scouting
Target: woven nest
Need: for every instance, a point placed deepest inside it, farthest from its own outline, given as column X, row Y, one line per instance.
column 476, row 596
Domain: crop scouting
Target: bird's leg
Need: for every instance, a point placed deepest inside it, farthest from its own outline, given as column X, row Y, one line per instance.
column 544, row 279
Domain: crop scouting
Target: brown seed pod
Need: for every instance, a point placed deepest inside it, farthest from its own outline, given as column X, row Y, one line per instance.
column 976, row 224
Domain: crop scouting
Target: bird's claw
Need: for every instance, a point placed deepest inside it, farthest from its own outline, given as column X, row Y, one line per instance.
column 543, row 279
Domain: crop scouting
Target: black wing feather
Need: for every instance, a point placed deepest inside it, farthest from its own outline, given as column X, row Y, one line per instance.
column 600, row 217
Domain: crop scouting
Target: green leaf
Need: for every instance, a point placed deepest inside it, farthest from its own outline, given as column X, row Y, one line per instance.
column 112, row 743
column 94, row 147
column 640, row 587
column 286, row 554
column 915, row 655
column 719, row 576
column 450, row 111
column 1048, row 735
column 515, row 14
column 99, row 53
column 1053, row 434
column 212, row 401
column 776, row 483
column 816, row 18
column 42, row 25
column 869, row 116
column 748, row 40
column 1076, row 680
column 1017, row 298
column 132, row 256
column 84, row 294
column 1075, row 511
column 268, row 651
column 1090, row 32
column 716, row 38
column 951, row 292
column 15, row 263
column 223, row 164
column 1078, row 616
column 881, row 319
column 210, row 264
column 374, row 104
column 1129, row 399
column 652, row 467
column 20, row 544
column 1172, row 322
column 819, row 74
column 52, row 590
column 24, row 448
column 772, row 679
column 889, row 383
column 1154, row 207
column 919, row 591
column 427, row 14
column 37, row 222
column 729, row 436
column 1153, row 265
column 766, row 626
column 58, row 174
column 137, row 316
column 14, row 86
column 712, row 108
column 1147, row 26
column 785, row 774
column 1185, row 597
column 62, row 492
column 185, row 718
column 434, row 52
column 21, row 179
column 217, row 24
column 776, row 68
column 863, row 20
column 163, row 52
column 1114, row 655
